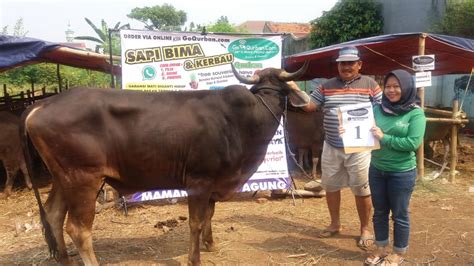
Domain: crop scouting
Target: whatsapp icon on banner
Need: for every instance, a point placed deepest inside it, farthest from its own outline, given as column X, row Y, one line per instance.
column 148, row 73
column 254, row 49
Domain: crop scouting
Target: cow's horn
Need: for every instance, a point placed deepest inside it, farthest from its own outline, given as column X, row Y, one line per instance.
column 285, row 76
column 252, row 80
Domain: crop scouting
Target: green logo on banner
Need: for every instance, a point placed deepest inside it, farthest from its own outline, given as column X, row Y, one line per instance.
column 253, row 49
column 148, row 73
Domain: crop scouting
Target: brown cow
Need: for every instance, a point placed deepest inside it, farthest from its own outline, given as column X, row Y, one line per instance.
column 10, row 151
column 306, row 135
column 206, row 142
column 436, row 131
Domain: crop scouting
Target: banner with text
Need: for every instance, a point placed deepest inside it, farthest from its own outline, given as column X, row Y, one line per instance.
column 157, row 61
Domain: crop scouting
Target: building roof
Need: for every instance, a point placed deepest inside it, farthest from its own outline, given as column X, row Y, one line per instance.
column 252, row 26
column 298, row 30
column 77, row 45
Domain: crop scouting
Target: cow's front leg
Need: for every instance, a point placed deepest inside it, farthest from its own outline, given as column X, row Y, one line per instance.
column 207, row 238
column 197, row 204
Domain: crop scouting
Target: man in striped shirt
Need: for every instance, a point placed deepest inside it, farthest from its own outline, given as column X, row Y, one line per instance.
column 340, row 170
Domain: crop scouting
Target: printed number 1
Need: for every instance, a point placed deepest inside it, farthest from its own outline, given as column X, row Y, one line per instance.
column 358, row 132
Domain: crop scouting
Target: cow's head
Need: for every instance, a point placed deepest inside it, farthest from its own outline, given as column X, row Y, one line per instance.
column 272, row 78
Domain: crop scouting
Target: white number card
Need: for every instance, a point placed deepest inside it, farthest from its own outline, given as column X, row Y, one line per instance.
column 357, row 120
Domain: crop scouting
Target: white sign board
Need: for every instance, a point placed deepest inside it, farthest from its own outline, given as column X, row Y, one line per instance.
column 357, row 120
column 423, row 62
column 423, row 79
column 157, row 61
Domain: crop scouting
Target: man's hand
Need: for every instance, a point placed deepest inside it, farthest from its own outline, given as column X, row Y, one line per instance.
column 341, row 131
column 310, row 106
column 293, row 85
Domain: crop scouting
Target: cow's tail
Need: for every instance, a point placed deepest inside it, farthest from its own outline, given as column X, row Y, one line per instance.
column 33, row 165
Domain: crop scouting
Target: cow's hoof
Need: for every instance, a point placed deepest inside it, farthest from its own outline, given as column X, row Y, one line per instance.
column 72, row 253
column 211, row 247
column 194, row 263
column 4, row 195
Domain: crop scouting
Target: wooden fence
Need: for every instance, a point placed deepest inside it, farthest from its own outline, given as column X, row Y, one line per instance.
column 17, row 103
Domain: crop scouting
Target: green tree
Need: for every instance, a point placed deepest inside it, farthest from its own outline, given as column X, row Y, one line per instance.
column 347, row 20
column 458, row 19
column 44, row 74
column 194, row 27
column 33, row 74
column 102, row 38
column 21, row 78
column 222, row 25
column 18, row 29
column 84, row 77
column 164, row 18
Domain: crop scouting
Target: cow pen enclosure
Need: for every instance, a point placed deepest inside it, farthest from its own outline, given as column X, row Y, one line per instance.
column 455, row 119
column 255, row 228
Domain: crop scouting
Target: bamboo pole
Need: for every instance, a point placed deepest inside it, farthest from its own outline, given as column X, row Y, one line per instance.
column 32, row 92
column 112, row 78
column 421, row 93
column 58, row 75
column 454, row 143
column 447, row 113
column 438, row 112
column 73, row 51
column 455, row 121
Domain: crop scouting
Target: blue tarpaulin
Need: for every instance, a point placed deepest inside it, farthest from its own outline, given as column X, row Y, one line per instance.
column 381, row 54
column 19, row 51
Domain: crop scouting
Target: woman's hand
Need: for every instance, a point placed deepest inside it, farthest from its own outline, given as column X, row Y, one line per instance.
column 377, row 132
column 341, row 131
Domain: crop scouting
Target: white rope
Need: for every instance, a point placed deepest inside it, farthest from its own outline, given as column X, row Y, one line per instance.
column 389, row 58
column 465, row 91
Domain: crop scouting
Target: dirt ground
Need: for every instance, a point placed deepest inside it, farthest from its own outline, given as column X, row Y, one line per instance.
column 257, row 232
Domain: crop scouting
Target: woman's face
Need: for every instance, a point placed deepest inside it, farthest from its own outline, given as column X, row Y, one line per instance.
column 392, row 89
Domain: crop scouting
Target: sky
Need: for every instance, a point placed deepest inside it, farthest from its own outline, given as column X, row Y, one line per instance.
column 49, row 19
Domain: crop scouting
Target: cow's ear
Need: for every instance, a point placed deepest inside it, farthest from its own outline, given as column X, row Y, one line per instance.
column 298, row 98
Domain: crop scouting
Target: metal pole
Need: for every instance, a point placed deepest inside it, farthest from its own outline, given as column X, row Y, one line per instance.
column 112, row 78
column 454, row 142
column 421, row 93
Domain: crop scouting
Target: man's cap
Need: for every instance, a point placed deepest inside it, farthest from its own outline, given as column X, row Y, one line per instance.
column 349, row 53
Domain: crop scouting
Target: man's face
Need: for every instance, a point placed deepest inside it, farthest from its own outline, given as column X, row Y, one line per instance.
column 349, row 69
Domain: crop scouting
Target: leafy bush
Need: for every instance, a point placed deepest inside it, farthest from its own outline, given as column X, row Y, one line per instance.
column 347, row 20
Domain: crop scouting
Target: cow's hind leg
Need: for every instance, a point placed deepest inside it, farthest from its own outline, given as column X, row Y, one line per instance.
column 207, row 238
column 56, row 209
column 81, row 212
column 198, row 205
column 26, row 175
column 11, row 173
